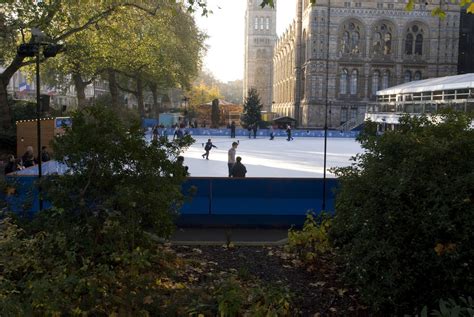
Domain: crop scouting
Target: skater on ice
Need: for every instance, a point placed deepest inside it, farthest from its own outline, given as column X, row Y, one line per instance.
column 208, row 148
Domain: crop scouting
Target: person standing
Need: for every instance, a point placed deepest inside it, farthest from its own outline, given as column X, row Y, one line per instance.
column 239, row 169
column 231, row 157
column 11, row 166
column 28, row 158
column 232, row 130
column 45, row 154
column 249, row 128
column 180, row 163
column 207, row 148
column 254, row 128
column 155, row 133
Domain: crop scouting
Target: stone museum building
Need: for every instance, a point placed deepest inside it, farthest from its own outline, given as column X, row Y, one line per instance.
column 341, row 52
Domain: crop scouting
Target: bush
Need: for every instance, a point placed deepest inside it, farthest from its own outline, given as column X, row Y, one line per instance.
column 92, row 253
column 451, row 308
column 404, row 223
column 313, row 240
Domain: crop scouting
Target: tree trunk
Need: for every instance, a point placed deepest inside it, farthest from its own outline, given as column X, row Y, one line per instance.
column 5, row 115
column 80, row 90
column 140, row 101
column 156, row 105
column 113, row 88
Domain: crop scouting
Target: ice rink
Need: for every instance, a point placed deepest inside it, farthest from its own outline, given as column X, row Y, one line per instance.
column 302, row 157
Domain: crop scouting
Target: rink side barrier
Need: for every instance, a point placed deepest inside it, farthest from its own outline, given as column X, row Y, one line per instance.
column 222, row 201
column 297, row 133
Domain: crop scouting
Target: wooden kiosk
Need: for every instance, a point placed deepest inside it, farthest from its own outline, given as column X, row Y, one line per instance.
column 26, row 133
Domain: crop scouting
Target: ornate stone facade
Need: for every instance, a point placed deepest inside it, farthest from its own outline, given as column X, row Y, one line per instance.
column 260, row 38
column 372, row 45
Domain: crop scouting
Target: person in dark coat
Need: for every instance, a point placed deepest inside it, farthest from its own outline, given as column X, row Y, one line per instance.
column 288, row 133
column 254, row 128
column 11, row 166
column 249, row 128
column 232, row 129
column 180, row 164
column 28, row 158
column 239, row 169
column 208, row 148
column 45, row 154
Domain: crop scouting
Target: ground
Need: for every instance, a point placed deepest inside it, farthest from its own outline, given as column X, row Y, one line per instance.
column 317, row 291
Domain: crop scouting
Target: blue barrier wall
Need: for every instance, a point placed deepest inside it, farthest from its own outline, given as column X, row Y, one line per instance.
column 266, row 133
column 226, row 201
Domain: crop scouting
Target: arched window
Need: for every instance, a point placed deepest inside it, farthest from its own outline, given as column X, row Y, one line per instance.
column 345, row 42
column 419, row 44
column 256, row 23
column 377, row 46
column 382, row 39
column 387, row 49
column 385, row 79
column 375, row 81
column 267, row 20
column 343, row 82
column 409, row 44
column 355, row 36
column 417, row 75
column 407, row 76
column 354, row 82
column 261, row 23
column 350, row 38
column 414, row 40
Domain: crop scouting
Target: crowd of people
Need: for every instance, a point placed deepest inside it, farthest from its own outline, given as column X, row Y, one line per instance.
column 28, row 159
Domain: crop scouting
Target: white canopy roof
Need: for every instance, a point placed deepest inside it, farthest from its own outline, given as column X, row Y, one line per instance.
column 431, row 84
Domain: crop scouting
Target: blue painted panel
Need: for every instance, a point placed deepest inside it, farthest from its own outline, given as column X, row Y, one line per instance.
column 198, row 202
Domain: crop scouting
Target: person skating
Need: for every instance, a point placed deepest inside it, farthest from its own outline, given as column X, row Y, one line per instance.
column 239, row 169
column 207, row 148
column 231, row 157
column 232, row 130
column 249, row 128
column 272, row 133
column 254, row 128
column 288, row 133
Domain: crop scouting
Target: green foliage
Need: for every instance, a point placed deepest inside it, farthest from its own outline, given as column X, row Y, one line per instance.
column 113, row 172
column 451, row 308
column 92, row 254
column 404, row 223
column 313, row 240
column 252, row 113
column 233, row 297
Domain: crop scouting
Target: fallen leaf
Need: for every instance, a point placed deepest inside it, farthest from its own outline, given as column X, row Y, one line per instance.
column 148, row 300
column 342, row 291
column 318, row 284
column 333, row 309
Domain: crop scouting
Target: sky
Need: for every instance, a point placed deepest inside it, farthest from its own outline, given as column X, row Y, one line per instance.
column 225, row 28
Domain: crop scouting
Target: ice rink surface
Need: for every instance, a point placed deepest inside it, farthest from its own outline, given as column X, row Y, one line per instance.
column 302, row 157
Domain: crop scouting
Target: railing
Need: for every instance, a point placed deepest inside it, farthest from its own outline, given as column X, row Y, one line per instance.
column 352, row 123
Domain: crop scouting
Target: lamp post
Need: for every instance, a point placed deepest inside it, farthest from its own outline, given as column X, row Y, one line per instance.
column 33, row 50
column 323, row 207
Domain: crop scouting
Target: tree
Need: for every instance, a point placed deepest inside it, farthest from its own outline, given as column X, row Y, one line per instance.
column 404, row 221
column 59, row 20
column 252, row 109
column 215, row 113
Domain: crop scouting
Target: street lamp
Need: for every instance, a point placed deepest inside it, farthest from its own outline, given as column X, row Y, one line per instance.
column 33, row 50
